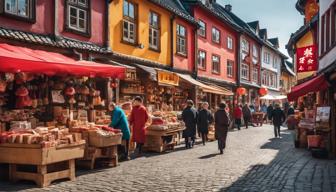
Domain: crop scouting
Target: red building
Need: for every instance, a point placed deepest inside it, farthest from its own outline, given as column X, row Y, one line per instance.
column 68, row 26
column 217, row 45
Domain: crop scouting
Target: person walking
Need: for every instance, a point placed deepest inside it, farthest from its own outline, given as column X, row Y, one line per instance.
column 269, row 112
column 237, row 114
column 119, row 121
column 222, row 122
column 189, row 116
column 278, row 117
column 138, row 119
column 247, row 115
column 205, row 118
column 264, row 111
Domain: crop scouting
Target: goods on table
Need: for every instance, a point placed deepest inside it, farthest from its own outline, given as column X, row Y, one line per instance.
column 163, row 121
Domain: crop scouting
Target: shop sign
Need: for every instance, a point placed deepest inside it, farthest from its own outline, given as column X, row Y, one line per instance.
column 168, row 78
column 306, row 59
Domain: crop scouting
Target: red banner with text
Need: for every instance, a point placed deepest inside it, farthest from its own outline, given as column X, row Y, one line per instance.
column 306, row 59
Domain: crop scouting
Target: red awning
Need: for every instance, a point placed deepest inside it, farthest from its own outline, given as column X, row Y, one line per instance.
column 15, row 59
column 318, row 83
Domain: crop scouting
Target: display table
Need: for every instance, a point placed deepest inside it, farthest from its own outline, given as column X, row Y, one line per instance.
column 162, row 140
column 47, row 162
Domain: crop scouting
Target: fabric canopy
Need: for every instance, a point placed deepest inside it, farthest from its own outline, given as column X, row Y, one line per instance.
column 15, row 59
column 315, row 84
column 273, row 97
column 204, row 87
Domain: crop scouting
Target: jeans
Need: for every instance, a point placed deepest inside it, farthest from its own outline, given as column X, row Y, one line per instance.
column 277, row 130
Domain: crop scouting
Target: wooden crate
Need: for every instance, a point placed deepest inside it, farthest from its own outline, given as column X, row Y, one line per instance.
column 41, row 158
column 104, row 141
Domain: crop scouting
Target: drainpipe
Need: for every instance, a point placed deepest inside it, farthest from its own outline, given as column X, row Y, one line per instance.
column 107, row 25
column 195, row 69
column 56, row 33
column 238, row 65
column 172, row 18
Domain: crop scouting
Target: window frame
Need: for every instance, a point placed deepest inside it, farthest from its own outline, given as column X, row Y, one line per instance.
column 178, row 37
column 229, row 38
column 31, row 16
column 247, row 78
column 255, row 75
column 212, row 35
column 267, row 57
column 158, row 29
column 129, row 21
column 248, row 46
column 212, row 64
column 230, row 68
column 205, row 60
column 68, row 28
column 255, row 48
column 205, row 29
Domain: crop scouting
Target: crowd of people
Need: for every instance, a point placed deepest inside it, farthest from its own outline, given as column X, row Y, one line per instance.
column 197, row 121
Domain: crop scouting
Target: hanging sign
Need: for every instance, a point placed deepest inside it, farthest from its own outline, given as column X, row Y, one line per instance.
column 306, row 59
column 168, row 78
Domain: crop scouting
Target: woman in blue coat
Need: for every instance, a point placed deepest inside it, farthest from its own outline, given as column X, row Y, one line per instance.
column 119, row 121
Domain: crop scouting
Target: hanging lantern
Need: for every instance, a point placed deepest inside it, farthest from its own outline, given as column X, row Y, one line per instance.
column 241, row 91
column 263, row 91
column 70, row 91
column 113, row 83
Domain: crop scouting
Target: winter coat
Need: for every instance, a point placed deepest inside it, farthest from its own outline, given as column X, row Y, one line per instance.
column 222, row 122
column 189, row 116
column 269, row 112
column 119, row 121
column 138, row 118
column 237, row 113
column 278, row 117
column 291, row 111
column 247, row 112
column 205, row 118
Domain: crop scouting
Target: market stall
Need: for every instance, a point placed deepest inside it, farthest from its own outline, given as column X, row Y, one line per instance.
column 44, row 97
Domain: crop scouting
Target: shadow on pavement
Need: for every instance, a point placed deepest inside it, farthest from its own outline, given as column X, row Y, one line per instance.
column 209, row 156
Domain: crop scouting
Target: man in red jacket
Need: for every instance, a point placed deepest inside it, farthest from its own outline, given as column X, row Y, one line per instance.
column 138, row 119
column 237, row 114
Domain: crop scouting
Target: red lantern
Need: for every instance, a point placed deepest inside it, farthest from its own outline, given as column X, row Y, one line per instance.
column 263, row 91
column 70, row 91
column 241, row 91
column 113, row 84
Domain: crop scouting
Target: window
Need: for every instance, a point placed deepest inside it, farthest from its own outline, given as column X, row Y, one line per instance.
column 229, row 43
column 255, row 75
column 275, row 62
column 215, row 64
column 245, row 71
column 23, row 9
column 202, row 29
column 181, row 40
column 154, row 31
column 255, row 51
column 129, row 22
column 215, row 35
column 333, row 25
column 78, row 15
column 267, row 57
column 328, row 30
column 230, row 68
column 263, row 78
column 201, row 59
column 245, row 46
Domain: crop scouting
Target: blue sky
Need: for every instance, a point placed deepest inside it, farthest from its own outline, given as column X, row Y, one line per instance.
column 279, row 16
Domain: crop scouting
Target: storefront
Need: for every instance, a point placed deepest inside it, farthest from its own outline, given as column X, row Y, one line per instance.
column 54, row 108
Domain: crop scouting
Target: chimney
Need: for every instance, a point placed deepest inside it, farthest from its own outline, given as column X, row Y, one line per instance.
column 228, row 7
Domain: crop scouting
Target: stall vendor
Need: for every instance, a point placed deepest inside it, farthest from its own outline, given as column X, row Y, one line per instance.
column 119, row 121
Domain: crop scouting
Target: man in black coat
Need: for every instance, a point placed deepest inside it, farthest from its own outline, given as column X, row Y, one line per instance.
column 205, row 118
column 279, row 118
column 189, row 116
column 222, row 122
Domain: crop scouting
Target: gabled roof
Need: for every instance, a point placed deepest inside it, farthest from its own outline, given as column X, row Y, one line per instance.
column 274, row 41
column 300, row 6
column 288, row 68
column 176, row 7
column 48, row 40
column 263, row 34
column 254, row 25
column 301, row 32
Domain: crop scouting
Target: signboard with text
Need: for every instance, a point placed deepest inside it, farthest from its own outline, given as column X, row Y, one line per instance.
column 168, row 78
column 306, row 59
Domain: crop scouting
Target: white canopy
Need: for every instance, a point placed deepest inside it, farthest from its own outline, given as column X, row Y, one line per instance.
column 274, row 97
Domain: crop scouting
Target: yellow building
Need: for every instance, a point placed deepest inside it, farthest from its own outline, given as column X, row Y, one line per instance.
column 140, row 28
column 288, row 77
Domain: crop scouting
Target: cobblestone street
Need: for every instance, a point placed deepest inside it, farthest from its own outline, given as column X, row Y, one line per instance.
column 253, row 161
